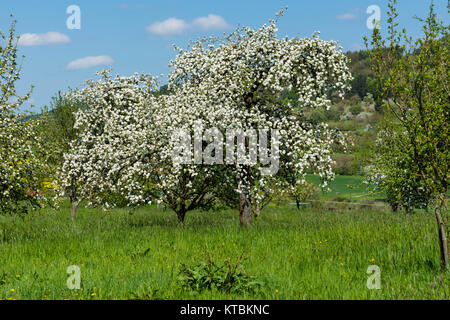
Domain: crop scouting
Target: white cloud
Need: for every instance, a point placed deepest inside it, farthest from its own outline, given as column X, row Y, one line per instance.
column 89, row 62
column 174, row 26
column 352, row 15
column 171, row 26
column 211, row 22
column 347, row 16
column 42, row 39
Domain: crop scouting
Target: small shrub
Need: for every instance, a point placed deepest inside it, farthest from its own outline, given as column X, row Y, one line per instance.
column 332, row 114
column 356, row 109
column 228, row 277
column 306, row 192
column 346, row 165
column 117, row 199
column 340, row 199
column 318, row 116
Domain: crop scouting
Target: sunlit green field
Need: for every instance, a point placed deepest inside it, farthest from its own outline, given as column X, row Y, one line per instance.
column 350, row 187
column 294, row 254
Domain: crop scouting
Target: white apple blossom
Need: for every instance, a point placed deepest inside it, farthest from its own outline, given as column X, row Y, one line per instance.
column 113, row 136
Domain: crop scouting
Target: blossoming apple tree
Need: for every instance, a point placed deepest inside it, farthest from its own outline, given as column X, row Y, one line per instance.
column 238, row 82
column 130, row 134
column 112, row 125
column 125, row 147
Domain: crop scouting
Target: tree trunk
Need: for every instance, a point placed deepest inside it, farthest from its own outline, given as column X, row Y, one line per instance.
column 298, row 203
column 442, row 230
column 74, row 205
column 245, row 209
column 181, row 215
column 256, row 209
column 408, row 211
column 394, row 207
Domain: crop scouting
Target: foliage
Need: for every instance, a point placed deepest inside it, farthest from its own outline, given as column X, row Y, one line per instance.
column 346, row 165
column 318, row 116
column 113, row 136
column 146, row 293
column 305, row 192
column 57, row 126
column 228, row 278
column 415, row 77
column 332, row 114
column 391, row 170
column 356, row 109
column 21, row 167
column 364, row 81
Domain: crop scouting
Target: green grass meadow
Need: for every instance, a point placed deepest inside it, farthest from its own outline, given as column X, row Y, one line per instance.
column 307, row 254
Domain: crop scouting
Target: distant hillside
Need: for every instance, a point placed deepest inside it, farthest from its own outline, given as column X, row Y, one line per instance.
column 363, row 80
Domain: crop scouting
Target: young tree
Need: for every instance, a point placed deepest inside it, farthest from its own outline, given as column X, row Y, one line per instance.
column 112, row 136
column 415, row 76
column 392, row 170
column 57, row 126
column 239, row 82
column 21, row 172
column 56, row 131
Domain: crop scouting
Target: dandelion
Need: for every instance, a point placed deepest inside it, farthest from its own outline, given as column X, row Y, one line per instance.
column 93, row 294
column 276, row 291
column 12, row 290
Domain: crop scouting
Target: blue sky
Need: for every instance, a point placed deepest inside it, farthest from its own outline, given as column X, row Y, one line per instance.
column 137, row 35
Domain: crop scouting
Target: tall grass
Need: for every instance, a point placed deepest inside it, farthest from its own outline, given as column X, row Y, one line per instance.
column 296, row 254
